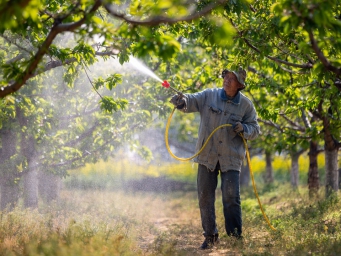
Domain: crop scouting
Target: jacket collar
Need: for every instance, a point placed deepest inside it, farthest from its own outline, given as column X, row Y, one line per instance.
column 235, row 100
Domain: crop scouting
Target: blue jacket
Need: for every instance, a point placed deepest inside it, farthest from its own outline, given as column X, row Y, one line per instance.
column 216, row 109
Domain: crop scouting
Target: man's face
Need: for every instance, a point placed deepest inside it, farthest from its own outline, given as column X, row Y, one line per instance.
column 231, row 84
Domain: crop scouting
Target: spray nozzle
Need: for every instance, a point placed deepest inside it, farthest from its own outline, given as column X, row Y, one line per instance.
column 167, row 85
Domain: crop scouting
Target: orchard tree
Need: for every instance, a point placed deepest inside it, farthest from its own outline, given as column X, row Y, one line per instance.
column 30, row 49
column 280, row 41
column 318, row 23
column 64, row 128
column 40, row 24
column 280, row 46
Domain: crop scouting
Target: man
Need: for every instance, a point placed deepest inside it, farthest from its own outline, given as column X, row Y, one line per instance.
column 224, row 152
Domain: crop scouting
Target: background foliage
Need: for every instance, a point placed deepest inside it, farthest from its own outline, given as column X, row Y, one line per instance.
column 63, row 105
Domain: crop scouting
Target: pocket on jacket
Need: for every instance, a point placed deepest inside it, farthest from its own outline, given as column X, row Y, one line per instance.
column 210, row 115
column 215, row 110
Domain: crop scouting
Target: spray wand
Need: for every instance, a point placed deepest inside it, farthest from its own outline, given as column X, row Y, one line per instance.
column 167, row 85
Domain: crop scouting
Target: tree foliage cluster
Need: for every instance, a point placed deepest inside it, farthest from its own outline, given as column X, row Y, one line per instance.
column 55, row 113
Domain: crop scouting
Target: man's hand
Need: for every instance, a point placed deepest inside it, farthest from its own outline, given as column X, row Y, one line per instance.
column 238, row 127
column 177, row 100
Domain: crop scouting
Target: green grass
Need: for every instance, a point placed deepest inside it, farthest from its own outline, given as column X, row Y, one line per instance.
column 90, row 222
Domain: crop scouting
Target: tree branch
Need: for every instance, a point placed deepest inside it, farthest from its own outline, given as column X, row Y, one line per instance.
column 154, row 21
column 272, row 124
column 321, row 56
column 305, row 119
column 310, row 59
column 293, row 123
column 304, row 66
column 16, row 58
column 82, row 136
column 56, row 29
column 58, row 63
column 19, row 46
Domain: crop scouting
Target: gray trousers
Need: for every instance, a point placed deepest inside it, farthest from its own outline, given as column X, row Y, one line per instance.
column 207, row 182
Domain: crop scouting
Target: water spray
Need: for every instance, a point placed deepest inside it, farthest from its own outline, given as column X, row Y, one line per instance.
column 138, row 65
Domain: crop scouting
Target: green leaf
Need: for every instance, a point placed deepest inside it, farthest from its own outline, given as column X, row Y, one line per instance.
column 110, row 105
column 113, row 80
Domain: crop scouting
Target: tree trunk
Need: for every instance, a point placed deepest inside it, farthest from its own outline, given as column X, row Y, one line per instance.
column 49, row 186
column 28, row 150
column 331, row 158
column 30, row 178
column 9, row 196
column 8, row 172
column 30, row 181
column 268, row 176
column 245, row 175
column 294, row 170
column 313, row 174
column 332, row 174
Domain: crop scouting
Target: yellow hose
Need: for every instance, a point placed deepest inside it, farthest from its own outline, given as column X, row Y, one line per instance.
column 202, row 148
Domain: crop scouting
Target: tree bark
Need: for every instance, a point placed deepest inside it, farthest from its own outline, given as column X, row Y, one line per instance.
column 9, row 196
column 9, row 189
column 268, row 176
column 49, row 186
column 28, row 150
column 313, row 174
column 331, row 159
column 332, row 174
column 30, row 177
column 30, row 181
column 294, row 170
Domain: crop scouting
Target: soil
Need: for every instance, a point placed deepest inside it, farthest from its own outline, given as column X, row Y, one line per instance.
column 168, row 232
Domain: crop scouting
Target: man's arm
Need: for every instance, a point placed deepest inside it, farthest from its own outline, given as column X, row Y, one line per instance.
column 194, row 102
column 250, row 125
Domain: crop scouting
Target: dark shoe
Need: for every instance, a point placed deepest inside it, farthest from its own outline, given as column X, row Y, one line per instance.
column 209, row 242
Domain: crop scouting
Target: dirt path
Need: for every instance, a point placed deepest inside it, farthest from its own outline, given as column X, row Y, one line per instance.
column 177, row 231
column 184, row 238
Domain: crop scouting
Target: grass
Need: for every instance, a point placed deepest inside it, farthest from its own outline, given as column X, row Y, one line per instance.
column 113, row 173
column 77, row 225
column 91, row 222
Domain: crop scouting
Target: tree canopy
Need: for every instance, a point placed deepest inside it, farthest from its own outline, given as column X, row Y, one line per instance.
column 291, row 49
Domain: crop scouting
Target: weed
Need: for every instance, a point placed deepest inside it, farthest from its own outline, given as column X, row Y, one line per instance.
column 89, row 222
